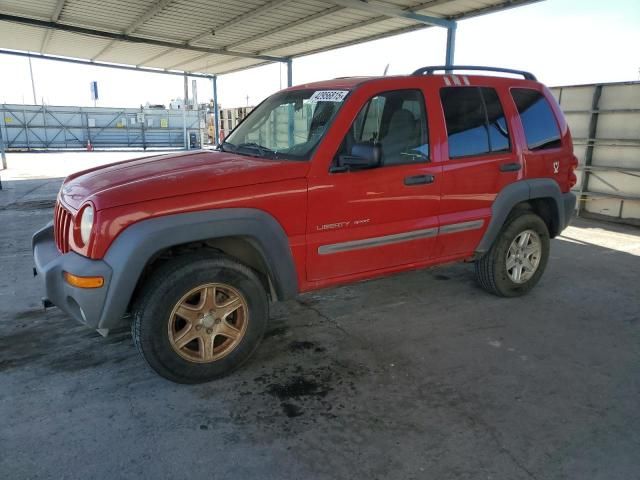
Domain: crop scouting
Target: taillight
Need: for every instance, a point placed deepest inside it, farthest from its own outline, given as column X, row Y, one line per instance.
column 572, row 172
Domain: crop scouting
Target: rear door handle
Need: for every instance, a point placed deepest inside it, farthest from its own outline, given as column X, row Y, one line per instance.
column 510, row 167
column 419, row 180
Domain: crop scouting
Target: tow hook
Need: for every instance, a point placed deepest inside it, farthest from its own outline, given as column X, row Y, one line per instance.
column 46, row 303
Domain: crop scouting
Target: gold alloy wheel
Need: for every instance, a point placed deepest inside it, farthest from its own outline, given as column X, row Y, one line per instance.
column 208, row 322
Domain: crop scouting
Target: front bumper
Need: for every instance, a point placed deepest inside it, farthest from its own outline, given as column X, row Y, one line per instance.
column 84, row 305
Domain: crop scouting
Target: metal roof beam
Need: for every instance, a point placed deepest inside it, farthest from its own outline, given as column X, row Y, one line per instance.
column 316, row 16
column 358, row 41
column 146, row 16
column 245, row 17
column 410, row 28
column 288, row 26
column 186, row 62
column 238, row 69
column 102, row 64
column 130, row 38
column 57, row 10
column 226, row 62
column 199, row 38
column 158, row 7
column 393, row 12
column 323, row 13
column 189, row 42
column 233, row 23
column 155, row 56
column 336, row 31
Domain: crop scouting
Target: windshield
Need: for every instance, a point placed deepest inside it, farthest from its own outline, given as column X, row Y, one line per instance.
column 287, row 125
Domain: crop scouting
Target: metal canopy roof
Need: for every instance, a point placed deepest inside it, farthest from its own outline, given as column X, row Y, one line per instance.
column 216, row 37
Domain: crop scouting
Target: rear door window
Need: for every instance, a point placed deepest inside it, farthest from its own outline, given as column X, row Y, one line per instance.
column 496, row 122
column 539, row 123
column 475, row 121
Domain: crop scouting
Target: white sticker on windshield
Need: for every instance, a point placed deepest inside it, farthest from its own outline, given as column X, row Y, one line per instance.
column 328, row 96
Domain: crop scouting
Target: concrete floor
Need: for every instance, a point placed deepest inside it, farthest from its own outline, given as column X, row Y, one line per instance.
column 418, row 376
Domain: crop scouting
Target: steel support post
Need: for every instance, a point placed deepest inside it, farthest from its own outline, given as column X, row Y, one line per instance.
column 184, row 113
column 588, row 154
column 289, row 72
column 143, row 131
column 186, row 91
column 25, row 125
column 44, row 123
column 216, row 111
column 85, row 121
column 451, row 44
column 2, row 152
column 2, row 149
column 33, row 83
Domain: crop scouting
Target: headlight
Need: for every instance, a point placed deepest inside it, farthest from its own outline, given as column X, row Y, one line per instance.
column 86, row 223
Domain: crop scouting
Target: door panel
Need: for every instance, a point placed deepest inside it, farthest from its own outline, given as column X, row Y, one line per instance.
column 469, row 188
column 369, row 220
column 481, row 158
column 366, row 220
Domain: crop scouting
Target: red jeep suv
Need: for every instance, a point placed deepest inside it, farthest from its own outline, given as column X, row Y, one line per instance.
column 322, row 184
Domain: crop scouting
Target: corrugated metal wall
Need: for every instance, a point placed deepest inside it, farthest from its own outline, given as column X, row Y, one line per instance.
column 33, row 127
column 605, row 124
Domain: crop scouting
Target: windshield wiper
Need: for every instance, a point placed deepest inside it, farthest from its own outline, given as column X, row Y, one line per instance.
column 231, row 147
column 262, row 150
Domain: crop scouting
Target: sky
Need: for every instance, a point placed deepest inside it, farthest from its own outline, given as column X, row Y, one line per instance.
column 563, row 42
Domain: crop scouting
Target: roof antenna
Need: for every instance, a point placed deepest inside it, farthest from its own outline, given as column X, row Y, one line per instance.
column 386, row 69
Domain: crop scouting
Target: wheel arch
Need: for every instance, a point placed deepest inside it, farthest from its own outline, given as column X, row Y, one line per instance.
column 243, row 249
column 251, row 236
column 543, row 196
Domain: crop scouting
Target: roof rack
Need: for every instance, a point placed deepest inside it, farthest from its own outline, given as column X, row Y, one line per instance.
column 449, row 68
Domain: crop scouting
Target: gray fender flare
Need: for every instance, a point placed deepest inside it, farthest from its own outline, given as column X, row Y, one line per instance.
column 138, row 243
column 522, row 191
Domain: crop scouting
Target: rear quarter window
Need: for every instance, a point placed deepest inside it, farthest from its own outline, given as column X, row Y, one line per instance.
column 540, row 126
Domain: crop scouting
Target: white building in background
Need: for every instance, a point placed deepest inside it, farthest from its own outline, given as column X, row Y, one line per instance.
column 176, row 104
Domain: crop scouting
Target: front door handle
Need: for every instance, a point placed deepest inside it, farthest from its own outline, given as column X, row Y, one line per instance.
column 419, row 180
column 510, row 167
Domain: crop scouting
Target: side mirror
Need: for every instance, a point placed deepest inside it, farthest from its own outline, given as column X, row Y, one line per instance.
column 363, row 155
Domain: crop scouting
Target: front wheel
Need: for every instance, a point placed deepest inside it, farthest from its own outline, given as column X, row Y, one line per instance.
column 518, row 257
column 199, row 317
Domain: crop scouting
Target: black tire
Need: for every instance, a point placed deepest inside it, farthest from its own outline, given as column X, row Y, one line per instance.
column 491, row 269
column 163, row 291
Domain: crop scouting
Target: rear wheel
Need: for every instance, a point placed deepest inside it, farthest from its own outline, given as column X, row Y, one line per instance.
column 518, row 257
column 199, row 318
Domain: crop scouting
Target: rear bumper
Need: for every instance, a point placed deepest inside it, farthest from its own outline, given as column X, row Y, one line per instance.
column 84, row 305
column 568, row 206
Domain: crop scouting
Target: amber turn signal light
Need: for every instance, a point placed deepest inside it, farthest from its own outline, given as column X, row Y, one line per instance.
column 83, row 282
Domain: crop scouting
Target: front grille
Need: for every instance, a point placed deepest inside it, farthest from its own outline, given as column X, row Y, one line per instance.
column 61, row 227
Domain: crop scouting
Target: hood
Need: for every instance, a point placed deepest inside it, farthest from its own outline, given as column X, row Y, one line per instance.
column 163, row 176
